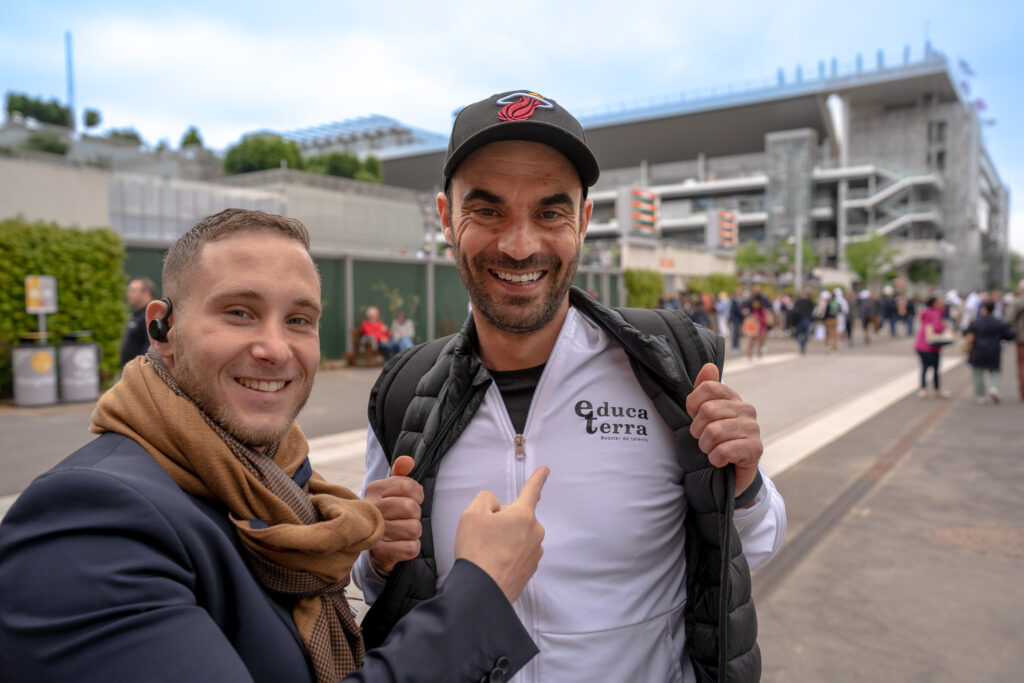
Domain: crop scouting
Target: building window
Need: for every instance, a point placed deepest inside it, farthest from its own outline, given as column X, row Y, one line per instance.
column 603, row 212
column 936, row 159
column 936, row 131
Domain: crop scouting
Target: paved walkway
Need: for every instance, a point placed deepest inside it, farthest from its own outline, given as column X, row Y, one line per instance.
column 803, row 402
column 905, row 550
column 905, row 545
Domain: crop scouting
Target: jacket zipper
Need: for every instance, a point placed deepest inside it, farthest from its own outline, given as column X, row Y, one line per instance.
column 520, row 442
column 530, row 672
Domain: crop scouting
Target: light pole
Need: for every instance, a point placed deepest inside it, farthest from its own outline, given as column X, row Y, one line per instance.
column 798, row 260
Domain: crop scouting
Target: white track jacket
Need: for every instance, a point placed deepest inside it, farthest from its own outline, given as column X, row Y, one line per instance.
column 606, row 603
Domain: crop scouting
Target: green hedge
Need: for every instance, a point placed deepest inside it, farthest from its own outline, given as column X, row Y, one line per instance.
column 644, row 288
column 88, row 265
column 713, row 284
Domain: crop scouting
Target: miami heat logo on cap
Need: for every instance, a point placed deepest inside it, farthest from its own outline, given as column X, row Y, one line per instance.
column 520, row 106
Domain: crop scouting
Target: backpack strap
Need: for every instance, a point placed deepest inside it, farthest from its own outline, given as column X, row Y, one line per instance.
column 396, row 387
column 413, row 581
column 695, row 345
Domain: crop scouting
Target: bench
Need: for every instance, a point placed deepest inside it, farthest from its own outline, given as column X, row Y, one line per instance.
column 365, row 358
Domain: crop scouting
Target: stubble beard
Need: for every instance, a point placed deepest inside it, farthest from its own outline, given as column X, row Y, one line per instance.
column 519, row 315
column 195, row 384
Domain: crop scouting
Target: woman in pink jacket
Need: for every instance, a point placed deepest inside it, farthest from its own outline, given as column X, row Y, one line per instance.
column 930, row 317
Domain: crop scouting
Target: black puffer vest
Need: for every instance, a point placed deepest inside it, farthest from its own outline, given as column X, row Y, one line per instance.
column 721, row 624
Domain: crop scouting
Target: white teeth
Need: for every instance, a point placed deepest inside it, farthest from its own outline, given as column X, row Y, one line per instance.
column 261, row 385
column 513, row 277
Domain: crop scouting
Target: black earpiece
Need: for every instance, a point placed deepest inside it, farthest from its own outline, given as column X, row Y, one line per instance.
column 159, row 327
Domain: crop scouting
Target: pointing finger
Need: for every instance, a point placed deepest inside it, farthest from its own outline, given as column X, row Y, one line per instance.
column 530, row 493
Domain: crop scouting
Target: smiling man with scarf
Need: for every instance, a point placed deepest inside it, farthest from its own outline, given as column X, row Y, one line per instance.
column 192, row 541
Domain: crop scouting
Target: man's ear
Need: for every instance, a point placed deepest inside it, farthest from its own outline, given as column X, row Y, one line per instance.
column 154, row 310
column 444, row 212
column 588, row 210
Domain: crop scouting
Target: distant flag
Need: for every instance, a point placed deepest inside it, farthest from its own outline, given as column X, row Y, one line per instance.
column 988, row 122
column 966, row 87
column 980, row 105
column 966, row 68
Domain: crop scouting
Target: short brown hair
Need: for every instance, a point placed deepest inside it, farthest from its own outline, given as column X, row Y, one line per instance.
column 183, row 256
column 147, row 284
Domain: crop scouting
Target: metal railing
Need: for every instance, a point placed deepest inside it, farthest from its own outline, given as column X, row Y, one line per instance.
column 721, row 95
column 277, row 177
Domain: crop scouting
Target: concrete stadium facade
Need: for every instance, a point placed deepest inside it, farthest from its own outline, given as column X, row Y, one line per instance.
column 894, row 149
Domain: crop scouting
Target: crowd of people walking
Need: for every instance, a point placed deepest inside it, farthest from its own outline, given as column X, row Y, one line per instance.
column 976, row 325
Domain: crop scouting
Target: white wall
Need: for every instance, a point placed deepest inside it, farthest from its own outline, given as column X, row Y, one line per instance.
column 337, row 220
column 682, row 263
column 66, row 195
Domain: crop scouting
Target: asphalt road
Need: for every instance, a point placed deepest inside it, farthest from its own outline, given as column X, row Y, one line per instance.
column 32, row 440
column 905, row 542
column 785, row 394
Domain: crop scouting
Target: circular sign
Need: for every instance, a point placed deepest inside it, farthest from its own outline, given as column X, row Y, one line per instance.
column 42, row 361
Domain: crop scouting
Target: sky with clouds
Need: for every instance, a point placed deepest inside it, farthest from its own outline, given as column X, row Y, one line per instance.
column 234, row 67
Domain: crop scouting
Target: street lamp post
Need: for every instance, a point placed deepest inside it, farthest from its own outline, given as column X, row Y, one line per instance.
column 798, row 259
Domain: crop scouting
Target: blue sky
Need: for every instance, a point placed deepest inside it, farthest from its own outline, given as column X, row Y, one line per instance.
column 234, row 67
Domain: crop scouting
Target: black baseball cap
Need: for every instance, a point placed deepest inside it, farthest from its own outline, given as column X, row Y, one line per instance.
column 520, row 115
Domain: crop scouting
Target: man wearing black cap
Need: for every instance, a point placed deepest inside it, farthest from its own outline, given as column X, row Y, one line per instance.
column 645, row 510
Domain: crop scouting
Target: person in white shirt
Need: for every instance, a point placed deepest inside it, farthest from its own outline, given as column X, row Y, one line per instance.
column 403, row 332
column 610, row 596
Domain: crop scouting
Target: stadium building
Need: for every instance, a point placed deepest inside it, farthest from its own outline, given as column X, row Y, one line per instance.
column 894, row 148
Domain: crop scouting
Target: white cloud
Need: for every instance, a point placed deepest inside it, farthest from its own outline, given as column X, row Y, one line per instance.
column 414, row 62
column 234, row 67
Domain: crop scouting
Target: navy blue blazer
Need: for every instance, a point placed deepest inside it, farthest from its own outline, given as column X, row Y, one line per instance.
column 110, row 572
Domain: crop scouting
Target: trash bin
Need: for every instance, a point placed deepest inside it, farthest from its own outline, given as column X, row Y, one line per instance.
column 35, row 374
column 79, row 367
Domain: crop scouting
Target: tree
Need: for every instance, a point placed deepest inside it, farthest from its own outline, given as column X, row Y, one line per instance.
column 782, row 256
column 923, row 272
column 713, row 283
column 88, row 265
column 870, row 258
column 191, row 137
column 750, row 257
column 92, row 118
column 47, row 142
column 51, row 112
column 124, row 135
column 373, row 168
column 397, row 302
column 365, row 176
column 643, row 288
column 338, row 164
column 346, row 165
column 261, row 152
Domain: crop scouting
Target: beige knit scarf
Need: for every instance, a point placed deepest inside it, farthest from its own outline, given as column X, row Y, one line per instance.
column 305, row 538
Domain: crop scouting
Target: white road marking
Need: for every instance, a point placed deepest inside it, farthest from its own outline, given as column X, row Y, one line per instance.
column 735, row 366
column 782, row 450
column 335, row 447
column 788, row 447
